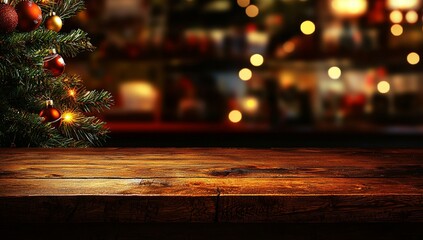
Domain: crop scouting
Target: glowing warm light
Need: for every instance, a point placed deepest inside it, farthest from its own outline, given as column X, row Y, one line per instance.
column 288, row 47
column 243, row 3
column 349, row 8
column 396, row 30
column 308, row 27
column 252, row 11
column 138, row 95
column 403, row 4
column 67, row 117
column 235, row 116
column 413, row 58
column 411, row 17
column 251, row 104
column 72, row 93
column 257, row 60
column 245, row 74
column 334, row 73
column 383, row 87
column 395, row 16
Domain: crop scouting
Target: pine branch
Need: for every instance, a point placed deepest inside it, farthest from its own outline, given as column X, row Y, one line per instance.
column 73, row 43
column 58, row 140
column 18, row 74
column 63, row 8
column 71, row 81
column 95, row 101
column 23, row 129
column 41, row 40
column 90, row 130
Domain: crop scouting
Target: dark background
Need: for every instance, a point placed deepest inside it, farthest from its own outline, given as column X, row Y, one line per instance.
column 173, row 68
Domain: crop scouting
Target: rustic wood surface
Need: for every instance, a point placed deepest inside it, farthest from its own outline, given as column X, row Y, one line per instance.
column 211, row 185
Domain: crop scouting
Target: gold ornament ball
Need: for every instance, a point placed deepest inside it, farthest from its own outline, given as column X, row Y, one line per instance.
column 54, row 23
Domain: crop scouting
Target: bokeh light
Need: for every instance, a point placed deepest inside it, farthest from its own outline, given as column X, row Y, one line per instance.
column 383, row 87
column 245, row 74
column 397, row 30
column 411, row 17
column 243, row 3
column 252, row 11
column 235, row 116
column 403, row 4
column 413, row 58
column 349, row 8
column 334, row 72
column 308, row 27
column 256, row 60
column 250, row 104
column 288, row 47
column 138, row 95
column 396, row 16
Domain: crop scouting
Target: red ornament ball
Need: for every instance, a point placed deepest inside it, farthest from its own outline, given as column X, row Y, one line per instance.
column 54, row 64
column 8, row 18
column 51, row 115
column 29, row 15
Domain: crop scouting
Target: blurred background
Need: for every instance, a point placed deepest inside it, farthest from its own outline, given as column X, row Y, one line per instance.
column 257, row 73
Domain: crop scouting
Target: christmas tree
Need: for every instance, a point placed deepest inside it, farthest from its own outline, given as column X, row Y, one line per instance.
column 40, row 104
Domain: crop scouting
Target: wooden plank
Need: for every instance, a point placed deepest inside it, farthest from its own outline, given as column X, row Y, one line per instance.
column 238, row 200
column 320, row 208
column 92, row 209
column 211, row 185
column 140, row 187
column 154, row 163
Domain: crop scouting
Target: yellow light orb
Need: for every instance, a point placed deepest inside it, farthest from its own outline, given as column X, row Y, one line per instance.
column 396, row 16
column 413, row 58
column 411, row 17
column 252, row 11
column 308, row 27
column 250, row 104
column 349, row 8
column 288, row 47
column 383, row 87
column 67, row 117
column 334, row 72
column 256, row 60
column 245, row 74
column 243, row 3
column 396, row 30
column 235, row 116
column 72, row 93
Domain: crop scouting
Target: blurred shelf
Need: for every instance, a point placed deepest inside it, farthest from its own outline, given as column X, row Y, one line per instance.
column 130, row 134
column 175, row 127
column 160, row 127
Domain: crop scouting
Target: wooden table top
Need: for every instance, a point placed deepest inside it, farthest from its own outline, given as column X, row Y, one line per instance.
column 211, row 185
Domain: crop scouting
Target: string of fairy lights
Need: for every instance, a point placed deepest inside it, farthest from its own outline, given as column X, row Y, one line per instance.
column 401, row 12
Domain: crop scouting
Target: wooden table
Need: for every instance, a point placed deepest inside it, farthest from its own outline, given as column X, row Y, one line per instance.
column 170, row 185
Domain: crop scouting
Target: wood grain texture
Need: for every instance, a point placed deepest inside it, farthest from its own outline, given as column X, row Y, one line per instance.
column 211, row 185
column 100, row 209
